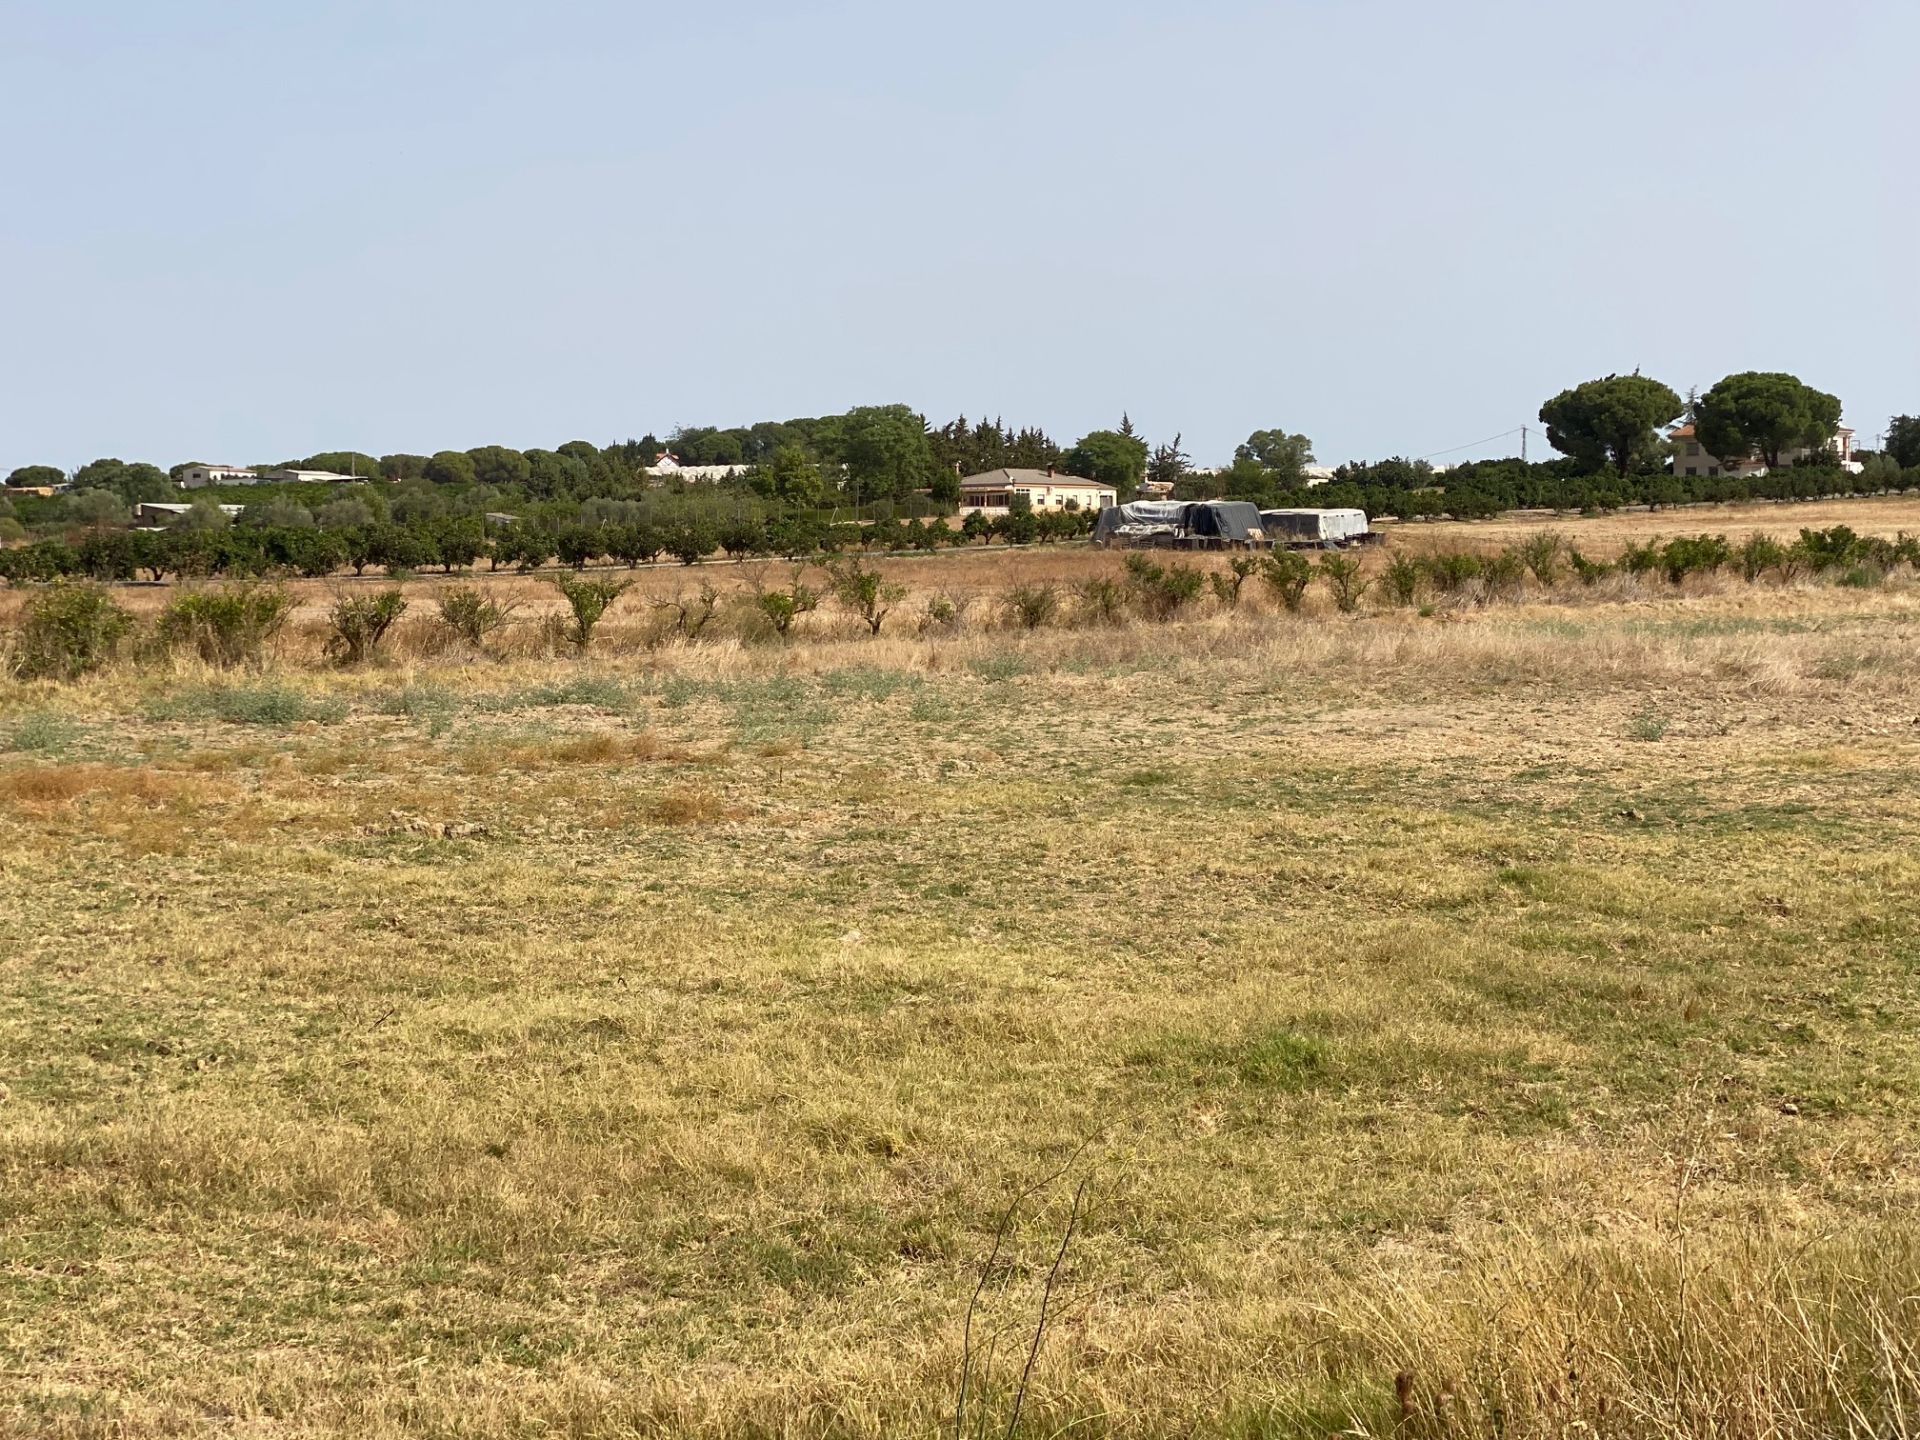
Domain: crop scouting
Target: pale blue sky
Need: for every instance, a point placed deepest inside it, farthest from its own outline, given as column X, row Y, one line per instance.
column 249, row 231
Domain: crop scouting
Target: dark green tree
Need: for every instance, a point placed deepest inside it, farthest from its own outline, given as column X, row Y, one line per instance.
column 1283, row 456
column 1616, row 420
column 450, row 467
column 886, row 451
column 404, row 467
column 497, row 465
column 1903, row 441
column 1764, row 413
column 36, row 475
column 1169, row 464
column 791, row 477
column 1113, row 457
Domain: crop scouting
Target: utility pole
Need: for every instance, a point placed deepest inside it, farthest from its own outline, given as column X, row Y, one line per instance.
column 1523, row 444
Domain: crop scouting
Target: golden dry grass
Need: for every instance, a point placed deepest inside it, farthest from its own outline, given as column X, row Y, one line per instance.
column 1492, row 1021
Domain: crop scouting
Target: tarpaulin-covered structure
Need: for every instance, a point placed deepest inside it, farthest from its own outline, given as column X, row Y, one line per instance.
column 1314, row 527
column 1203, row 524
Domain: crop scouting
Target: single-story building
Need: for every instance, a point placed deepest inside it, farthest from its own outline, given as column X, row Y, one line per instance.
column 312, row 477
column 155, row 512
column 995, row 491
column 199, row 477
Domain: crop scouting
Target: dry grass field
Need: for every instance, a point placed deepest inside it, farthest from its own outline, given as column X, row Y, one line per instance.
column 1500, row 1020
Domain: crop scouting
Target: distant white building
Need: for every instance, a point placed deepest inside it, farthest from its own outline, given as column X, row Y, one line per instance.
column 199, row 477
column 311, row 477
column 1314, row 475
column 1691, row 458
column 154, row 512
column 668, row 467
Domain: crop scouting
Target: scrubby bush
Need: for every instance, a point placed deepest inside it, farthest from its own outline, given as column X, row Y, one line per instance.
column 1103, row 600
column 783, row 607
column 361, row 622
column 470, row 615
column 1160, row 592
column 588, row 597
column 1541, row 553
column 866, row 592
column 942, row 614
column 1342, row 574
column 1287, row 575
column 228, row 626
column 1227, row 583
column 1642, row 558
column 1400, row 580
column 1504, row 574
column 1759, row 554
column 687, row 614
column 67, row 631
column 1822, row 550
column 1031, row 606
column 1694, row 555
column 1588, row 572
column 1451, row 571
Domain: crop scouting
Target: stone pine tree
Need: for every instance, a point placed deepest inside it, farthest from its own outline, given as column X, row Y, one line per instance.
column 1766, row 414
column 1615, row 420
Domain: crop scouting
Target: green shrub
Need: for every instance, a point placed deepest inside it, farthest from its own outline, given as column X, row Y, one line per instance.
column 589, row 598
column 1103, row 600
column 942, row 613
column 1504, row 574
column 1031, row 606
column 361, row 622
column 1401, row 578
column 1161, row 591
column 1452, row 571
column 866, row 592
column 66, row 631
column 1640, row 559
column 1758, row 555
column 228, row 626
column 783, row 607
column 1588, row 572
column 1696, row 554
column 1823, row 550
column 1541, row 554
column 1227, row 583
column 1342, row 574
column 470, row 615
column 1287, row 575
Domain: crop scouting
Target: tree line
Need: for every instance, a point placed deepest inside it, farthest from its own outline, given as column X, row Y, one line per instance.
column 458, row 542
column 879, row 462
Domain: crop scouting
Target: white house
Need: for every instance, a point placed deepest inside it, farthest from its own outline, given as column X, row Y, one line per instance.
column 199, row 477
column 1690, row 457
column 668, row 467
column 312, row 477
column 994, row 492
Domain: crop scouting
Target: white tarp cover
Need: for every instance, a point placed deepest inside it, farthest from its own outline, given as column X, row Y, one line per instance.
column 1318, row 526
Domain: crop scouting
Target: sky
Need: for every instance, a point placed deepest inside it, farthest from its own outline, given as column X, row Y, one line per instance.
column 248, row 232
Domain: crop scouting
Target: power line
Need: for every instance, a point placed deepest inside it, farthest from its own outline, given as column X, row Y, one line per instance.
column 1455, row 450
